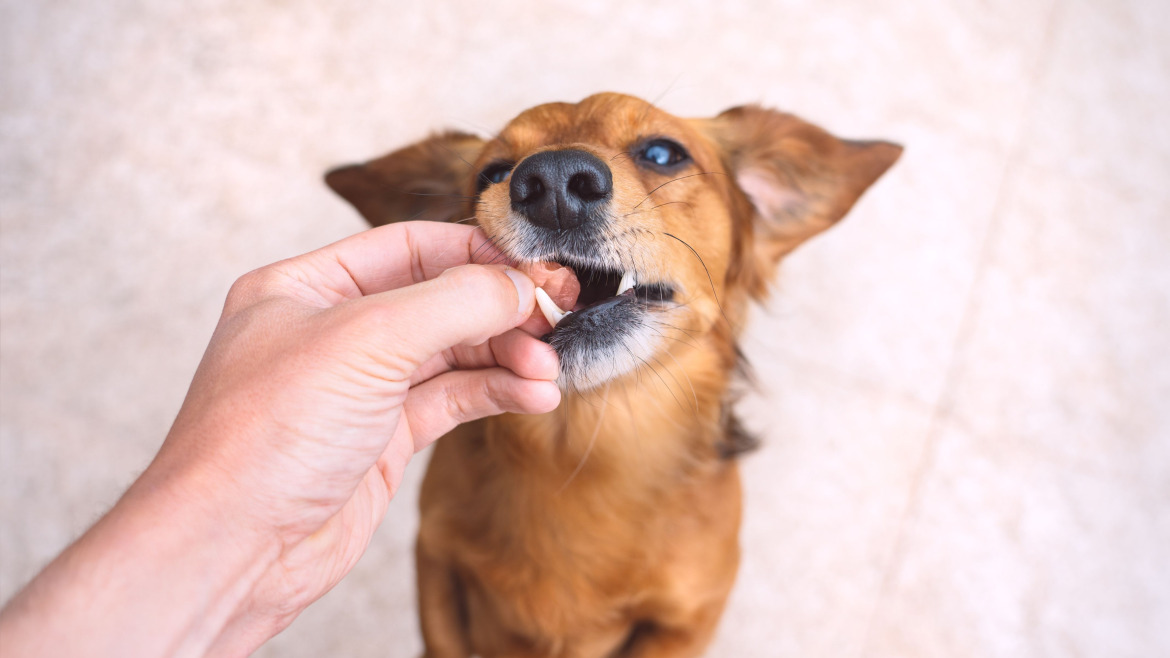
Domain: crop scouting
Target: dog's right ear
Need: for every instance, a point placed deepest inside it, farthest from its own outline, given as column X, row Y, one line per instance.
column 426, row 181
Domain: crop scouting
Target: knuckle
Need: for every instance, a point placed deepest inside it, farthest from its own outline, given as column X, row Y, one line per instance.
column 472, row 399
column 459, row 405
column 377, row 316
column 250, row 288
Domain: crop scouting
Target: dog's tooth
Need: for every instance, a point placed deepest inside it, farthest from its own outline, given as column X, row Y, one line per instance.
column 628, row 282
column 549, row 308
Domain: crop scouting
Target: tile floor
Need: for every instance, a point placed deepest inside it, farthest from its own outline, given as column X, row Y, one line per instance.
column 963, row 388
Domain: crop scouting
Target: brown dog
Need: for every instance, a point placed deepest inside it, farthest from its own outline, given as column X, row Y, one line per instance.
column 609, row 527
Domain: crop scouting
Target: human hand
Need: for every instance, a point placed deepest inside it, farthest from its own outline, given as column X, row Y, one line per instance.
column 327, row 372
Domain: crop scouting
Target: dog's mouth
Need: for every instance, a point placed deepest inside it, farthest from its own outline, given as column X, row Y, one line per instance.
column 601, row 320
column 600, row 290
column 603, row 305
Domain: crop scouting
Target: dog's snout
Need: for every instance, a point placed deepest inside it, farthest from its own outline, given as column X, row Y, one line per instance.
column 561, row 189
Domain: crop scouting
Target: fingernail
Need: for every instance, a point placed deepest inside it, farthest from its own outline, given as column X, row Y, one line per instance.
column 516, row 276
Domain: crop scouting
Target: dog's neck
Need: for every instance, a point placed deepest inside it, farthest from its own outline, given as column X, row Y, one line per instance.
column 652, row 426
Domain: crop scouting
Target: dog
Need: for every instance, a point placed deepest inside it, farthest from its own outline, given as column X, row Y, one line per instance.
column 609, row 527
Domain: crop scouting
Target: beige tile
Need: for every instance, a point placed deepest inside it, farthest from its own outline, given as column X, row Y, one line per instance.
column 1100, row 116
column 1011, row 553
column 823, row 498
column 1069, row 350
column 1041, row 524
column 965, row 68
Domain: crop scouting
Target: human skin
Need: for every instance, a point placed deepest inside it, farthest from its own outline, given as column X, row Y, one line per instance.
column 326, row 373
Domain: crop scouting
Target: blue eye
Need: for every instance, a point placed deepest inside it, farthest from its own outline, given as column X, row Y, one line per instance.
column 496, row 172
column 663, row 153
column 658, row 154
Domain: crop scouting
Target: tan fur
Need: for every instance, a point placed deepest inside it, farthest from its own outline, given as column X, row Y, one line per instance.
column 609, row 527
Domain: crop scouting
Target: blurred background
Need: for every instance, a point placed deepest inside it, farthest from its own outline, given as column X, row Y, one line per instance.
column 964, row 387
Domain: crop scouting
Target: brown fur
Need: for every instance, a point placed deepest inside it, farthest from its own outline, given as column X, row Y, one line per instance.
column 609, row 527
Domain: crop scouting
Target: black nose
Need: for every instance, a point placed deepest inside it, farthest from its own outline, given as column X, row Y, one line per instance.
column 561, row 189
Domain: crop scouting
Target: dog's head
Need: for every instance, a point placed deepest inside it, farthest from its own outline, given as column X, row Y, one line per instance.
column 670, row 225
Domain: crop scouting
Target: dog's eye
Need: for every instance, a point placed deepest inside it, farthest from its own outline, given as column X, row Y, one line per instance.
column 496, row 172
column 663, row 153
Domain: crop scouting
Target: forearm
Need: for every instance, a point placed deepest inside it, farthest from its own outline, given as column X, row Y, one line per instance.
column 159, row 575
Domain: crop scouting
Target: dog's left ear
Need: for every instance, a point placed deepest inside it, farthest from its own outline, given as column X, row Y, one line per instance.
column 425, row 180
column 799, row 178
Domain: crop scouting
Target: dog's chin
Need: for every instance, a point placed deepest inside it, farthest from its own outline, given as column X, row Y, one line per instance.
column 604, row 341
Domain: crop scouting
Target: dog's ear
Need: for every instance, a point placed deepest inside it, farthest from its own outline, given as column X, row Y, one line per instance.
column 799, row 178
column 426, row 180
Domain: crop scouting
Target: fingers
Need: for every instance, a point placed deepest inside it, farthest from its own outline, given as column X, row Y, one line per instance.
column 463, row 306
column 374, row 261
column 435, row 407
column 525, row 355
column 397, row 255
column 515, row 350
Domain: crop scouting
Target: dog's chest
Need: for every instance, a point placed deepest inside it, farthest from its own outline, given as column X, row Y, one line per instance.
column 553, row 586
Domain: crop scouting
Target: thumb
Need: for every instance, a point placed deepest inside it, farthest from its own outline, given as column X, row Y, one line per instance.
column 464, row 305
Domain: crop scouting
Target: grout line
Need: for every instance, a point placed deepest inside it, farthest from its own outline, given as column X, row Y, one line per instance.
column 942, row 411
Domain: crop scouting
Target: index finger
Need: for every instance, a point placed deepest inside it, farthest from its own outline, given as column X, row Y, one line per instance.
column 397, row 255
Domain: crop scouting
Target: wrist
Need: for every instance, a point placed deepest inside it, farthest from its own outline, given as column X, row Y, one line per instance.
column 197, row 517
column 161, row 574
column 197, row 501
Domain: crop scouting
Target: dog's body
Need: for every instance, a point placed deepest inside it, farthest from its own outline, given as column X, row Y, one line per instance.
column 609, row 526
column 516, row 560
